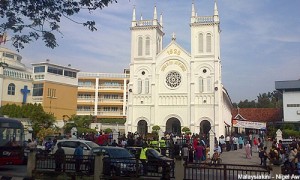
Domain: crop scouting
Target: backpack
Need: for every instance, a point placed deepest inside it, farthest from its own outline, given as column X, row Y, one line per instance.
column 48, row 145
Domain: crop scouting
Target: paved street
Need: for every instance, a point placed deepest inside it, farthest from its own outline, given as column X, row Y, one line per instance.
column 239, row 157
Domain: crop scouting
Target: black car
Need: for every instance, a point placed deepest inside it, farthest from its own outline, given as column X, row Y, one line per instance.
column 118, row 161
column 155, row 161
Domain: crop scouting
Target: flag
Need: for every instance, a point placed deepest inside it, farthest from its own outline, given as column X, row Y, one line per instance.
column 3, row 38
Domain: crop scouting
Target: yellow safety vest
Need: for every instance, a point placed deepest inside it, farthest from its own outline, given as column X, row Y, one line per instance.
column 154, row 143
column 162, row 143
column 143, row 153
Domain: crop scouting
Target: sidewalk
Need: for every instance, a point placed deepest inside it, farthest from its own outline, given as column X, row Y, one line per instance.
column 239, row 157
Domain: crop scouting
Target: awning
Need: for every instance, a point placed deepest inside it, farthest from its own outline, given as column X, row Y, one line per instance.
column 249, row 124
column 228, row 125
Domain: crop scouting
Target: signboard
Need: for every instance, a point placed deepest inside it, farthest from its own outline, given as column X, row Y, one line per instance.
column 249, row 124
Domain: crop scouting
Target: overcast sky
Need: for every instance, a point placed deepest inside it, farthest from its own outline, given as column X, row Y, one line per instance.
column 260, row 40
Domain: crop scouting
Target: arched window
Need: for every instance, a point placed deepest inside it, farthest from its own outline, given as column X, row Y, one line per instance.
column 147, row 86
column 147, row 49
column 208, row 42
column 140, row 46
column 11, row 89
column 139, row 86
column 200, row 43
column 158, row 45
column 200, row 84
column 208, row 81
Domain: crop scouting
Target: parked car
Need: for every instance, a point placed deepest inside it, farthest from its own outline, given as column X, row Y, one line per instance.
column 118, row 161
column 69, row 146
column 156, row 161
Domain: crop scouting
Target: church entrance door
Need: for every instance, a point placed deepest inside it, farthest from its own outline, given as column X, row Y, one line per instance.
column 173, row 125
column 205, row 127
column 142, row 127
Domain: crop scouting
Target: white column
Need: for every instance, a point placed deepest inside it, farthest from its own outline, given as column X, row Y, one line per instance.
column 124, row 97
column 211, row 143
column 96, row 97
column 1, row 84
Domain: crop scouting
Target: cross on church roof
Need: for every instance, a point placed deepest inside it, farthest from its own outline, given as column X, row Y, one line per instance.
column 173, row 36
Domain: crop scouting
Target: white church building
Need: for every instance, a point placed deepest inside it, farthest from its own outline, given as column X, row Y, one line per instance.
column 173, row 88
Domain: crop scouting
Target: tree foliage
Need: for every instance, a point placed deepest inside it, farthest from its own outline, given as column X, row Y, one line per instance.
column 35, row 112
column 264, row 100
column 82, row 123
column 29, row 20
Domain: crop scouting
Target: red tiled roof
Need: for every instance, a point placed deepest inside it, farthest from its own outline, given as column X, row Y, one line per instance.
column 259, row 114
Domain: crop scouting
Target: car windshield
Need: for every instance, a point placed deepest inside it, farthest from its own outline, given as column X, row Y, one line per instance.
column 92, row 144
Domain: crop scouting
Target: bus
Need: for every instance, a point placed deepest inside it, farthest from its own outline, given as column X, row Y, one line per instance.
column 11, row 141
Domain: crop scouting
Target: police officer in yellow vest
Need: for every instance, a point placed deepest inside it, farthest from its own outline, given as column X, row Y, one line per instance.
column 162, row 145
column 143, row 158
column 154, row 144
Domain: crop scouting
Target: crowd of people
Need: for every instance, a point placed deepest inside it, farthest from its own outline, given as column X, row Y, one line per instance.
column 194, row 147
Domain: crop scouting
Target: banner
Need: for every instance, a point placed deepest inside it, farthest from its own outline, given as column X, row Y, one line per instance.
column 249, row 124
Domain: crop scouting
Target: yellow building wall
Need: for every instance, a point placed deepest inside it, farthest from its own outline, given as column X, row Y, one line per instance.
column 60, row 99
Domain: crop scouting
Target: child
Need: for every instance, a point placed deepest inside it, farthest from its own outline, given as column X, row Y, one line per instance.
column 216, row 158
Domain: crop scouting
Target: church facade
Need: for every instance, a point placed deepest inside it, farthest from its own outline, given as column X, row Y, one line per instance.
column 172, row 88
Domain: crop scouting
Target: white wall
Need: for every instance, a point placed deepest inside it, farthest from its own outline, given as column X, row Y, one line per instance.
column 291, row 114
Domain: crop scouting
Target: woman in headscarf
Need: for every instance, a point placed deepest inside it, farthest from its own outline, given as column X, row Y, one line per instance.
column 248, row 150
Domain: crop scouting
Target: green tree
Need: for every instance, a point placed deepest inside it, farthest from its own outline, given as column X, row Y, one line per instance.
column 82, row 123
column 264, row 100
column 29, row 20
column 35, row 112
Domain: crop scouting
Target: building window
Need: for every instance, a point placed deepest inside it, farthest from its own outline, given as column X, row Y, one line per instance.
column 147, row 49
column 114, row 109
column 11, row 89
column 140, row 46
column 69, row 73
column 173, row 79
column 293, row 105
column 8, row 55
column 208, row 42
column 147, row 86
column 200, row 43
column 51, row 92
column 38, row 89
column 208, row 82
column 38, row 69
column 139, row 86
column 55, row 70
column 200, row 84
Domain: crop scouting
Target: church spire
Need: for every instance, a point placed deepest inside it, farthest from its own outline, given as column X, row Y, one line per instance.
column 193, row 10
column 155, row 13
column 216, row 13
column 161, row 20
column 141, row 17
column 133, row 14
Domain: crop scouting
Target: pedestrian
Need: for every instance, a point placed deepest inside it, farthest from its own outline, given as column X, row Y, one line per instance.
column 143, row 158
column 185, row 153
column 248, row 150
column 241, row 142
column 59, row 157
column 199, row 153
column 78, row 155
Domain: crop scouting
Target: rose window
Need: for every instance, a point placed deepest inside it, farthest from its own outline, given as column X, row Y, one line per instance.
column 173, row 79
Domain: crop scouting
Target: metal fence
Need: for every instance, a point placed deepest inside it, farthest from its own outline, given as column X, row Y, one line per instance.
column 112, row 167
column 132, row 167
column 203, row 171
column 46, row 162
